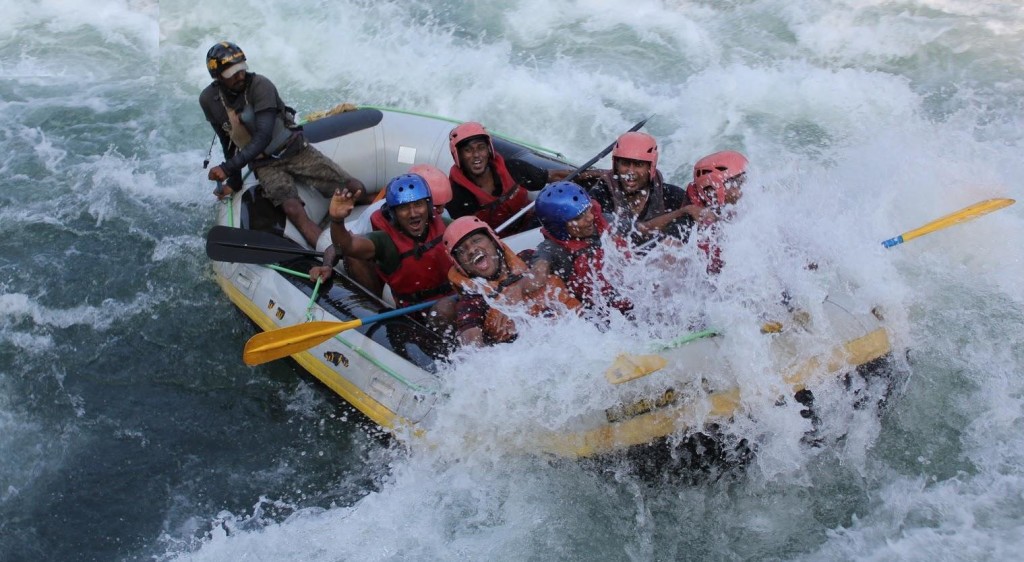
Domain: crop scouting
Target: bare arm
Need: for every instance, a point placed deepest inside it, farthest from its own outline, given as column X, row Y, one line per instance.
column 536, row 278
column 472, row 337
column 324, row 272
column 661, row 221
column 583, row 178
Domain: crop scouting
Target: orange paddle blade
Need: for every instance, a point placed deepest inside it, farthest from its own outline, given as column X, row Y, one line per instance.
column 282, row 342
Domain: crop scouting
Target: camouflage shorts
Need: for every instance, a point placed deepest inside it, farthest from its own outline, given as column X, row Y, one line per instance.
column 308, row 166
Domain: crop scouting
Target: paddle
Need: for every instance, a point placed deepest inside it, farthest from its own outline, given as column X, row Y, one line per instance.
column 282, row 342
column 965, row 214
column 241, row 245
column 340, row 121
column 573, row 175
column 627, row 366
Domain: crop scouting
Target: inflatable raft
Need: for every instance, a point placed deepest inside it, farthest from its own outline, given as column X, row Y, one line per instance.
column 389, row 370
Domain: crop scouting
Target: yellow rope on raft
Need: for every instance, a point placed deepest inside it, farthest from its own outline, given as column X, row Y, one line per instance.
column 340, row 108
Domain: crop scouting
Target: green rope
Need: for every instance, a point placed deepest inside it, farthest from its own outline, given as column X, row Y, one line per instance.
column 288, row 271
column 312, row 300
column 229, row 201
column 554, row 153
column 685, row 339
column 384, row 367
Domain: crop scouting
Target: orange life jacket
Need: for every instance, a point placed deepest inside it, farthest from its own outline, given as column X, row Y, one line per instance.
column 497, row 326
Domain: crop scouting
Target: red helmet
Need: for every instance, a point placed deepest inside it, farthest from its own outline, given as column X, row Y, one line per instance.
column 637, row 146
column 729, row 162
column 464, row 132
column 708, row 190
column 437, row 181
column 461, row 228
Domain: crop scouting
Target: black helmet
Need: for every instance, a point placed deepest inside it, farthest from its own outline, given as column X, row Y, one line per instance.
column 223, row 56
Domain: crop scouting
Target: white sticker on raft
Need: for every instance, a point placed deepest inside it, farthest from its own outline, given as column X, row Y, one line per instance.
column 406, row 155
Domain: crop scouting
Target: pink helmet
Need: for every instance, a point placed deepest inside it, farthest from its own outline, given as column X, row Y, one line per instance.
column 729, row 162
column 465, row 132
column 437, row 181
column 461, row 228
column 708, row 189
column 637, row 146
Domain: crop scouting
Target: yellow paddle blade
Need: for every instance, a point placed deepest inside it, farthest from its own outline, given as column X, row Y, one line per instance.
column 627, row 367
column 282, row 342
column 965, row 214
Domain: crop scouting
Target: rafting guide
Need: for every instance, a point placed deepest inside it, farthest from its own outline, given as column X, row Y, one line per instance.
column 258, row 130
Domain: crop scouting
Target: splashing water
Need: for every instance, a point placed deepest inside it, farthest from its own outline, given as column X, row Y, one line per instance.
column 130, row 429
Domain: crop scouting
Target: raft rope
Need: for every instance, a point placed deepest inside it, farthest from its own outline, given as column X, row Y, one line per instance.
column 685, row 339
column 312, row 297
column 554, row 153
column 312, row 300
column 359, row 351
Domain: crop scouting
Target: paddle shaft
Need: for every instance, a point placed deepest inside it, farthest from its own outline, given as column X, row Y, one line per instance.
column 965, row 214
column 571, row 176
column 262, row 248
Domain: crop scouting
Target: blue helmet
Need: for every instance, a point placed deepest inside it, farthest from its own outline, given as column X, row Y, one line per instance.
column 407, row 188
column 559, row 203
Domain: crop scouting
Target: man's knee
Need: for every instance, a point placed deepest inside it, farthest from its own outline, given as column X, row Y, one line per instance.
column 293, row 208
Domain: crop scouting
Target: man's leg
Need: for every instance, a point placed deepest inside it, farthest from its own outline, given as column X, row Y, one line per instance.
column 325, row 175
column 279, row 186
column 296, row 212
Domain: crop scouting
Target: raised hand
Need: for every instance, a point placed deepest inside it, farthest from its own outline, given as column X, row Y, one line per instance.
column 342, row 204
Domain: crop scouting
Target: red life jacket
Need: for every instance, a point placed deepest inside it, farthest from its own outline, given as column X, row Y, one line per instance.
column 709, row 233
column 712, row 251
column 422, row 271
column 494, row 210
column 588, row 264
